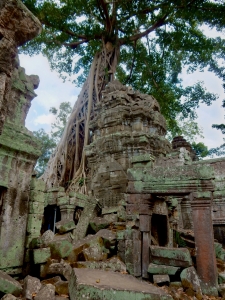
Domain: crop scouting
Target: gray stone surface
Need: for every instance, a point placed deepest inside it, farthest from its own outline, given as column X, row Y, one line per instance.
column 161, row 279
column 31, row 286
column 8, row 285
column 162, row 269
column 96, row 284
column 190, row 280
column 47, row 292
column 9, row 297
column 178, row 257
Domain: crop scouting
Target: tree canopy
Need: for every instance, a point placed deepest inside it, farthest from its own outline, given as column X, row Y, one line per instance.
column 49, row 141
column 156, row 40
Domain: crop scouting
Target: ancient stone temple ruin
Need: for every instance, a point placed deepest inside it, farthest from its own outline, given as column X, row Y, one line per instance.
column 148, row 211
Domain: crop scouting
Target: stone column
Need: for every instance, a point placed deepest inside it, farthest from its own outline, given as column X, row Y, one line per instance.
column 186, row 213
column 67, row 212
column 145, row 228
column 204, row 239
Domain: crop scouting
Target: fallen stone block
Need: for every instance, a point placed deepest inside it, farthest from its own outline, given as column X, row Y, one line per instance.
column 57, row 268
column 61, row 287
column 47, row 292
column 9, row 297
column 47, row 237
column 99, row 223
column 60, row 249
column 161, row 279
column 177, row 257
column 96, row 284
column 95, row 253
column 221, row 290
column 8, row 285
column 64, row 227
column 41, row 255
column 52, row 280
column 81, row 245
column 162, row 269
column 31, row 286
column 109, row 238
column 190, row 280
column 221, row 277
column 113, row 264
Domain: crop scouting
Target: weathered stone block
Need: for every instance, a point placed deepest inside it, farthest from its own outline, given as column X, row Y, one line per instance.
column 178, row 257
column 109, row 285
column 34, row 222
column 190, row 280
column 60, row 248
column 109, row 238
column 221, row 277
column 8, row 285
column 161, row 279
column 64, row 227
column 9, row 297
column 46, row 238
column 52, row 280
column 36, row 208
column 37, row 184
column 79, row 246
column 162, row 269
column 31, row 286
column 113, row 264
column 47, row 292
column 63, row 200
column 56, row 268
column 98, row 223
column 61, row 287
column 37, row 196
column 95, row 253
column 41, row 255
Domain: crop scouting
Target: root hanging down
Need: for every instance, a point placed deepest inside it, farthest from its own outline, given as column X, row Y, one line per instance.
column 67, row 165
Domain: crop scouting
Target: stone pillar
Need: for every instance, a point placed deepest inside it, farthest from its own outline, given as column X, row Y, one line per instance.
column 186, row 213
column 145, row 228
column 67, row 212
column 204, row 239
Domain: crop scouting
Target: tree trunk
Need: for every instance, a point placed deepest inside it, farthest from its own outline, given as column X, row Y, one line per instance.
column 66, row 166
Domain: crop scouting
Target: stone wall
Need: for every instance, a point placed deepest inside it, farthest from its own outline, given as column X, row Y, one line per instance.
column 19, row 150
column 17, row 26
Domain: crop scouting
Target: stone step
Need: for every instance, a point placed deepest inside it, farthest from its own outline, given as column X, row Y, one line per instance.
column 107, row 285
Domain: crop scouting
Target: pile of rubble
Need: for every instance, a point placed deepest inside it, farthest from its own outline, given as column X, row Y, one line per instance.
column 93, row 268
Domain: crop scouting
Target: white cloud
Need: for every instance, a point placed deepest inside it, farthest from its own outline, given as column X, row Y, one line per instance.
column 45, row 119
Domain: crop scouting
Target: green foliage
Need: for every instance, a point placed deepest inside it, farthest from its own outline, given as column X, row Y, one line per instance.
column 62, row 115
column 178, row 239
column 188, row 128
column 200, row 149
column 48, row 144
column 157, row 40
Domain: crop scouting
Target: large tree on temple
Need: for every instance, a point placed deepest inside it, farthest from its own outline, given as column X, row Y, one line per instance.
column 142, row 43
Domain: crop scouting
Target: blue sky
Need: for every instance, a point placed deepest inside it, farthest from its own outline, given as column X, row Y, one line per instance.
column 52, row 91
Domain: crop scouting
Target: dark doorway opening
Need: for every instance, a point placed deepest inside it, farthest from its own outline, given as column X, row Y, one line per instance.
column 49, row 215
column 77, row 214
column 159, row 229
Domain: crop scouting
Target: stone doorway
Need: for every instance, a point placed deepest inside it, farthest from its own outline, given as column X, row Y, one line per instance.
column 48, row 220
column 159, row 230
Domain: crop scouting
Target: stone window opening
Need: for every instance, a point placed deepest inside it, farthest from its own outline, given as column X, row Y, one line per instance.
column 159, row 230
column 48, row 220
